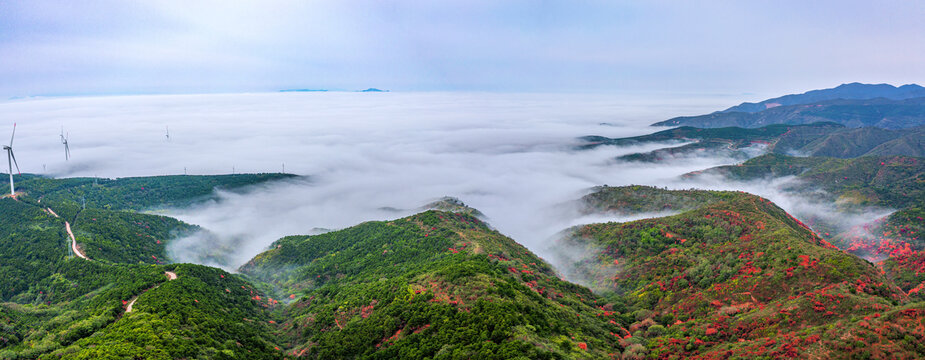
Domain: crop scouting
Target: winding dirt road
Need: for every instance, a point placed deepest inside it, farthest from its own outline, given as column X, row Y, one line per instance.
column 67, row 226
column 170, row 276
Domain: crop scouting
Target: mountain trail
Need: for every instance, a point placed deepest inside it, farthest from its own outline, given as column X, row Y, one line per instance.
column 67, row 226
column 170, row 276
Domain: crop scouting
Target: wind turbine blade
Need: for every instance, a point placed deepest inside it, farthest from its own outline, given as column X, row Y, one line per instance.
column 14, row 161
column 14, row 134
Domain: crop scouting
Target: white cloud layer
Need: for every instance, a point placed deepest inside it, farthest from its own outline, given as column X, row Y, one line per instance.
column 508, row 155
column 366, row 154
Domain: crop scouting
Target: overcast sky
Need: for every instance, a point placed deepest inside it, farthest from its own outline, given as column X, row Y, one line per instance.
column 723, row 47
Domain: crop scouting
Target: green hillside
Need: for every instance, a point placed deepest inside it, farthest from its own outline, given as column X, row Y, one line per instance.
column 636, row 199
column 911, row 143
column 204, row 313
column 104, row 214
column 738, row 278
column 32, row 242
column 80, row 312
column 732, row 275
column 823, row 139
column 850, row 143
column 435, row 285
column 58, row 305
column 892, row 181
column 735, row 136
column 127, row 237
column 137, row 193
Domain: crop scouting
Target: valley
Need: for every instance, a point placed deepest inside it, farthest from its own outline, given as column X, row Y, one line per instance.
column 668, row 270
column 730, row 275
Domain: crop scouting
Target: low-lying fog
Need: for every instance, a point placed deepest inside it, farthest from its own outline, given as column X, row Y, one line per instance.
column 509, row 156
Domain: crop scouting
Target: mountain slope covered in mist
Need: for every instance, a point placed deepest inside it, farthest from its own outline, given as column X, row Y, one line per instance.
column 731, row 275
column 893, row 181
column 436, row 284
column 138, row 193
column 896, row 241
column 817, row 139
column 634, row 199
column 57, row 304
column 738, row 276
column 866, row 141
column 896, row 182
column 879, row 112
column 105, row 213
column 855, row 91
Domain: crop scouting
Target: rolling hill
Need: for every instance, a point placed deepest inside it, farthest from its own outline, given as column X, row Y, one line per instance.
column 729, row 275
column 818, row 139
column 889, row 181
column 852, row 91
column 739, row 277
column 58, row 305
column 894, row 242
column 433, row 285
column 878, row 112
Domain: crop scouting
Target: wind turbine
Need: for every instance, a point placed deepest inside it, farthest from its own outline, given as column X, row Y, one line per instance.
column 11, row 159
column 167, row 128
column 67, row 150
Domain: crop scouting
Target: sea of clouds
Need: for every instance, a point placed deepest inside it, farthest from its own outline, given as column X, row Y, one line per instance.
column 511, row 156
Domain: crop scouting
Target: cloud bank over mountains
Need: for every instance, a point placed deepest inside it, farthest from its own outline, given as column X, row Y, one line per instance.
column 367, row 156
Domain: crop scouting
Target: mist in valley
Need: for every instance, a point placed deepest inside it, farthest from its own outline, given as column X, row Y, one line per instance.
column 370, row 157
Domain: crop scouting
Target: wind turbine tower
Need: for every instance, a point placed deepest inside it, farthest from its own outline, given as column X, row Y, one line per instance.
column 11, row 159
column 67, row 150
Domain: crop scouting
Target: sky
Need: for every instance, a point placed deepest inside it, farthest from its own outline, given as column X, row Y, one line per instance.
column 756, row 48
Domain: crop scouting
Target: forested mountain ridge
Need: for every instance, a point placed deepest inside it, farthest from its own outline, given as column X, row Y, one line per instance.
column 59, row 305
column 730, row 275
column 138, row 193
column 878, row 112
column 634, row 199
column 818, row 139
column 892, row 181
column 737, row 277
column 895, row 242
column 432, row 285
column 106, row 217
column 854, row 91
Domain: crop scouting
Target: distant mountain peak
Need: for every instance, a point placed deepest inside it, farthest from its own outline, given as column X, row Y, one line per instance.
column 848, row 91
column 852, row 104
